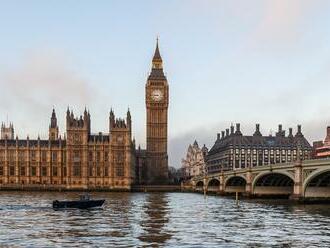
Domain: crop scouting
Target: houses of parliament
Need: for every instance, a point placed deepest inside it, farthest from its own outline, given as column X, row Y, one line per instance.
column 82, row 160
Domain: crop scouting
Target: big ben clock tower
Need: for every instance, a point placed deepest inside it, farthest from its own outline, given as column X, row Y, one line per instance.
column 157, row 106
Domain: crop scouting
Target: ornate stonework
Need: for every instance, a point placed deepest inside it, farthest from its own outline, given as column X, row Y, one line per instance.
column 194, row 163
column 80, row 160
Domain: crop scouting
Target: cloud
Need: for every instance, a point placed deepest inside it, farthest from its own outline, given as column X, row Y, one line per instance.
column 44, row 78
column 282, row 22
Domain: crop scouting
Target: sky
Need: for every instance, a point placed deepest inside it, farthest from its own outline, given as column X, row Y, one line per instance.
column 246, row 62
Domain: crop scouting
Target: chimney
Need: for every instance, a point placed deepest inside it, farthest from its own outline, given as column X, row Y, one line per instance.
column 227, row 132
column 257, row 132
column 218, row 136
column 290, row 132
column 231, row 129
column 328, row 131
column 299, row 128
column 222, row 134
column 280, row 132
column 238, row 129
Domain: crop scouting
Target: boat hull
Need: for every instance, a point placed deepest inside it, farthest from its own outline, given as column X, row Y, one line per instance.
column 78, row 204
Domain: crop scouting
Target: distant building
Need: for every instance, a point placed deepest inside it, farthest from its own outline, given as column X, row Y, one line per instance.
column 194, row 163
column 233, row 150
column 7, row 132
column 322, row 149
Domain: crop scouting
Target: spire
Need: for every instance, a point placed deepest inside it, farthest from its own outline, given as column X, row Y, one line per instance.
column 157, row 66
column 53, row 113
column 53, row 120
column 157, row 62
column 157, row 56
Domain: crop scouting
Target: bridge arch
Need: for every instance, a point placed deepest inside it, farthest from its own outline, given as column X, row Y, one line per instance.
column 235, row 181
column 279, row 183
column 213, row 185
column 213, row 182
column 199, row 184
column 235, row 184
column 317, row 184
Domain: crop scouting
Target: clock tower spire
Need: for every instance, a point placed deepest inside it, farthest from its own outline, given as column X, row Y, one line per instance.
column 157, row 99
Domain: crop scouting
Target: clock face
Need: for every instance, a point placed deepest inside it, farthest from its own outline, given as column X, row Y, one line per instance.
column 157, row 95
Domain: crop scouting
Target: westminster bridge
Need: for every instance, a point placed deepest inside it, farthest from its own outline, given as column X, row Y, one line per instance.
column 297, row 180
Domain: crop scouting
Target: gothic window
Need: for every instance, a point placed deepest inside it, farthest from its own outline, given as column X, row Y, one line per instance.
column 44, row 171
column 98, row 157
column 90, row 171
column 44, row 156
column 90, row 156
column 22, row 171
column 33, row 156
column 54, row 156
column 21, row 155
column 55, row 171
column 11, row 155
column 64, row 171
column 1, row 171
column 106, row 156
column 76, row 156
column 2, row 156
column 98, row 171
column 12, row 170
column 106, row 171
column 76, row 170
column 119, row 170
column 33, row 171
column 64, row 156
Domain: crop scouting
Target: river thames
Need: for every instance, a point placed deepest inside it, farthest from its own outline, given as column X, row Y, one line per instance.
column 160, row 220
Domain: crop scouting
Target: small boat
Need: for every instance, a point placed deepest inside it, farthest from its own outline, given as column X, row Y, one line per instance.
column 83, row 203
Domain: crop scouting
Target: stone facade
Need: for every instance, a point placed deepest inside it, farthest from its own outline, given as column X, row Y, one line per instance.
column 194, row 163
column 233, row 150
column 321, row 149
column 80, row 161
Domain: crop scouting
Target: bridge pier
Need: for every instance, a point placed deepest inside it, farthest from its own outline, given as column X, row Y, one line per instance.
column 222, row 184
column 204, row 185
column 298, row 193
column 248, row 186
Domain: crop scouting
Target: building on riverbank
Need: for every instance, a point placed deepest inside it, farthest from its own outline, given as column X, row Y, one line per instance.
column 232, row 150
column 321, row 149
column 83, row 160
column 194, row 162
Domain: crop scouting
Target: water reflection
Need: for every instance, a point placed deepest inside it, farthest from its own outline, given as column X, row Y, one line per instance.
column 154, row 220
column 160, row 220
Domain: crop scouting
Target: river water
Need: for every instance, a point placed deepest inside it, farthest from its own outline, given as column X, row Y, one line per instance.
column 160, row 220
